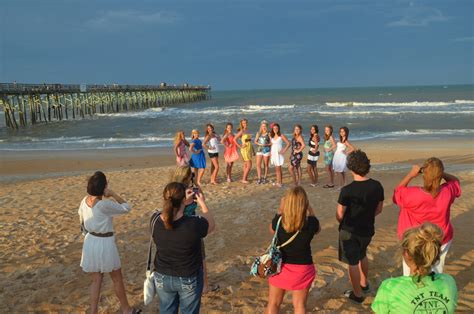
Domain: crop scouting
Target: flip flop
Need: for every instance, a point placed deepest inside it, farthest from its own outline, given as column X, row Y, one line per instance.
column 327, row 186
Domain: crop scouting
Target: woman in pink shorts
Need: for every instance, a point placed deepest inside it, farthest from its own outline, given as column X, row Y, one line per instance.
column 297, row 227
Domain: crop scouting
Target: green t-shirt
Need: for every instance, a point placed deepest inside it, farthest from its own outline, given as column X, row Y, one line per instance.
column 403, row 295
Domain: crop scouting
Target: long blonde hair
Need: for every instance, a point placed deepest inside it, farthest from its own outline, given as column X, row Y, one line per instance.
column 423, row 246
column 265, row 124
column 179, row 136
column 294, row 207
column 433, row 170
column 182, row 174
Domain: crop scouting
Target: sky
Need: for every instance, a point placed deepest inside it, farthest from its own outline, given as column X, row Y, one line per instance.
column 240, row 44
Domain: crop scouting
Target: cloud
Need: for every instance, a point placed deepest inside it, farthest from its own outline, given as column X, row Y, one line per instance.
column 419, row 17
column 118, row 19
column 464, row 39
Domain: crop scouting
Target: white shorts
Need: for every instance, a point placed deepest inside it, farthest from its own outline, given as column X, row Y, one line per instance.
column 438, row 267
column 264, row 154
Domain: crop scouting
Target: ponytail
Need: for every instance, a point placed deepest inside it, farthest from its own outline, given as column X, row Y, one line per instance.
column 173, row 196
column 432, row 174
column 423, row 245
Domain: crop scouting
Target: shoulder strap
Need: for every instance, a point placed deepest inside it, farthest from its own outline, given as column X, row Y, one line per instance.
column 289, row 240
column 148, row 264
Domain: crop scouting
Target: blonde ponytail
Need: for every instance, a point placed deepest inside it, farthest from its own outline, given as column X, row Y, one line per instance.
column 422, row 244
column 433, row 170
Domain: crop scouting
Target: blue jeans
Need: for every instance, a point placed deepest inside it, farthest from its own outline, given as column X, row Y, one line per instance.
column 183, row 292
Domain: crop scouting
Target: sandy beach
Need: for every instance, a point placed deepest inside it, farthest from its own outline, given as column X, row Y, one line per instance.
column 41, row 243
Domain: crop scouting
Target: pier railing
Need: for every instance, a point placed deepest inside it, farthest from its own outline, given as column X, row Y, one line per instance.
column 43, row 103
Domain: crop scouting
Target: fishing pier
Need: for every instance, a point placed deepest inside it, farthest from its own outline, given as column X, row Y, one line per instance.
column 25, row 104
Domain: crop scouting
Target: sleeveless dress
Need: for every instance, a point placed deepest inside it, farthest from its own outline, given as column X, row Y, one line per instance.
column 230, row 153
column 100, row 254
column 313, row 157
column 263, row 140
column 340, row 159
column 247, row 149
column 198, row 161
column 214, row 143
column 295, row 158
column 182, row 159
column 328, row 156
column 276, row 158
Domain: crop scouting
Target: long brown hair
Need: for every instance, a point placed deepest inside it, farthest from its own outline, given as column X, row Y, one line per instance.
column 326, row 137
column 422, row 244
column 294, row 207
column 432, row 174
column 207, row 129
column 225, row 130
column 173, row 196
column 346, row 131
column 241, row 127
column 299, row 127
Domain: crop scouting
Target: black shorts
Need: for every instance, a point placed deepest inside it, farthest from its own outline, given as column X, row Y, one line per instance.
column 213, row 155
column 352, row 247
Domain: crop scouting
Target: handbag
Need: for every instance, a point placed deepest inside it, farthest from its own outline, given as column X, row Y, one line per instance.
column 269, row 264
column 149, row 289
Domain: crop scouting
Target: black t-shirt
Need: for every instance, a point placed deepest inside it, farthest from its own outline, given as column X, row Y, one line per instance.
column 361, row 199
column 178, row 251
column 299, row 250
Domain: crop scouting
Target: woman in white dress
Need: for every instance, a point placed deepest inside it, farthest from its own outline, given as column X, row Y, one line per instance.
column 99, row 252
column 277, row 151
column 343, row 148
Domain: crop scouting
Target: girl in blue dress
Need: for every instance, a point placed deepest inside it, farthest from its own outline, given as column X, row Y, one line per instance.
column 198, row 159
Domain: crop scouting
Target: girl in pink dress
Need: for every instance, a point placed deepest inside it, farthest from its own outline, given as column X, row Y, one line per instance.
column 230, row 153
column 180, row 144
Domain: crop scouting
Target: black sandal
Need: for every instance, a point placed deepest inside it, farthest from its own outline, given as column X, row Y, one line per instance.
column 136, row 311
column 327, row 186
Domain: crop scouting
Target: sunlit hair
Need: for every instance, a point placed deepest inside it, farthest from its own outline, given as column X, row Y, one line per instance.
column 182, row 174
column 173, row 196
column 346, row 131
column 272, row 133
column 299, row 127
column 422, row 244
column 358, row 162
column 432, row 174
column 331, row 129
column 316, row 129
column 294, row 208
column 194, row 134
column 179, row 136
column 264, row 123
column 225, row 131
column 209, row 125
column 241, row 124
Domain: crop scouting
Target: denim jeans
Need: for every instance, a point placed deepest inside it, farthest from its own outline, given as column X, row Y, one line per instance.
column 179, row 292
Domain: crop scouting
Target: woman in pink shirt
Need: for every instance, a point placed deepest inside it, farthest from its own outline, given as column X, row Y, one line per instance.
column 429, row 203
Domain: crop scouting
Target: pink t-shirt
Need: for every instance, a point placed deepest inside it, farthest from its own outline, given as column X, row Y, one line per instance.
column 418, row 206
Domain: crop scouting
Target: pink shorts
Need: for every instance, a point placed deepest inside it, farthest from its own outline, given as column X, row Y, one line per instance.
column 294, row 277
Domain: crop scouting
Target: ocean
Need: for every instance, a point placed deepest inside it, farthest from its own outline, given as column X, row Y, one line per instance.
column 378, row 113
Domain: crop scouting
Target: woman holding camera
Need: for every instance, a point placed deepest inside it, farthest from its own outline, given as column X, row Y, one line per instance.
column 178, row 261
column 99, row 252
column 429, row 203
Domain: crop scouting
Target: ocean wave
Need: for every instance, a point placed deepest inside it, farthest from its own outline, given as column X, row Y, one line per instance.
column 395, row 104
column 149, row 113
column 341, row 113
column 418, row 132
column 462, row 101
column 273, row 107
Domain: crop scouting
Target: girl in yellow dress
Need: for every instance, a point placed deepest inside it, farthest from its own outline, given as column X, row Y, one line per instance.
column 246, row 148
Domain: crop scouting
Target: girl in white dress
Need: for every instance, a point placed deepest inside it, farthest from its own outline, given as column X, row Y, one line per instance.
column 343, row 148
column 277, row 151
column 99, row 252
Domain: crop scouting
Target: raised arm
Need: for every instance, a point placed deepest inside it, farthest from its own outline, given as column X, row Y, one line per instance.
column 303, row 145
column 205, row 212
column 223, row 138
column 239, row 135
column 449, row 177
column 206, row 140
column 414, row 172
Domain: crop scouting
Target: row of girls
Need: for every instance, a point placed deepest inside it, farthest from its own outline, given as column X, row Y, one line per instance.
column 271, row 148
